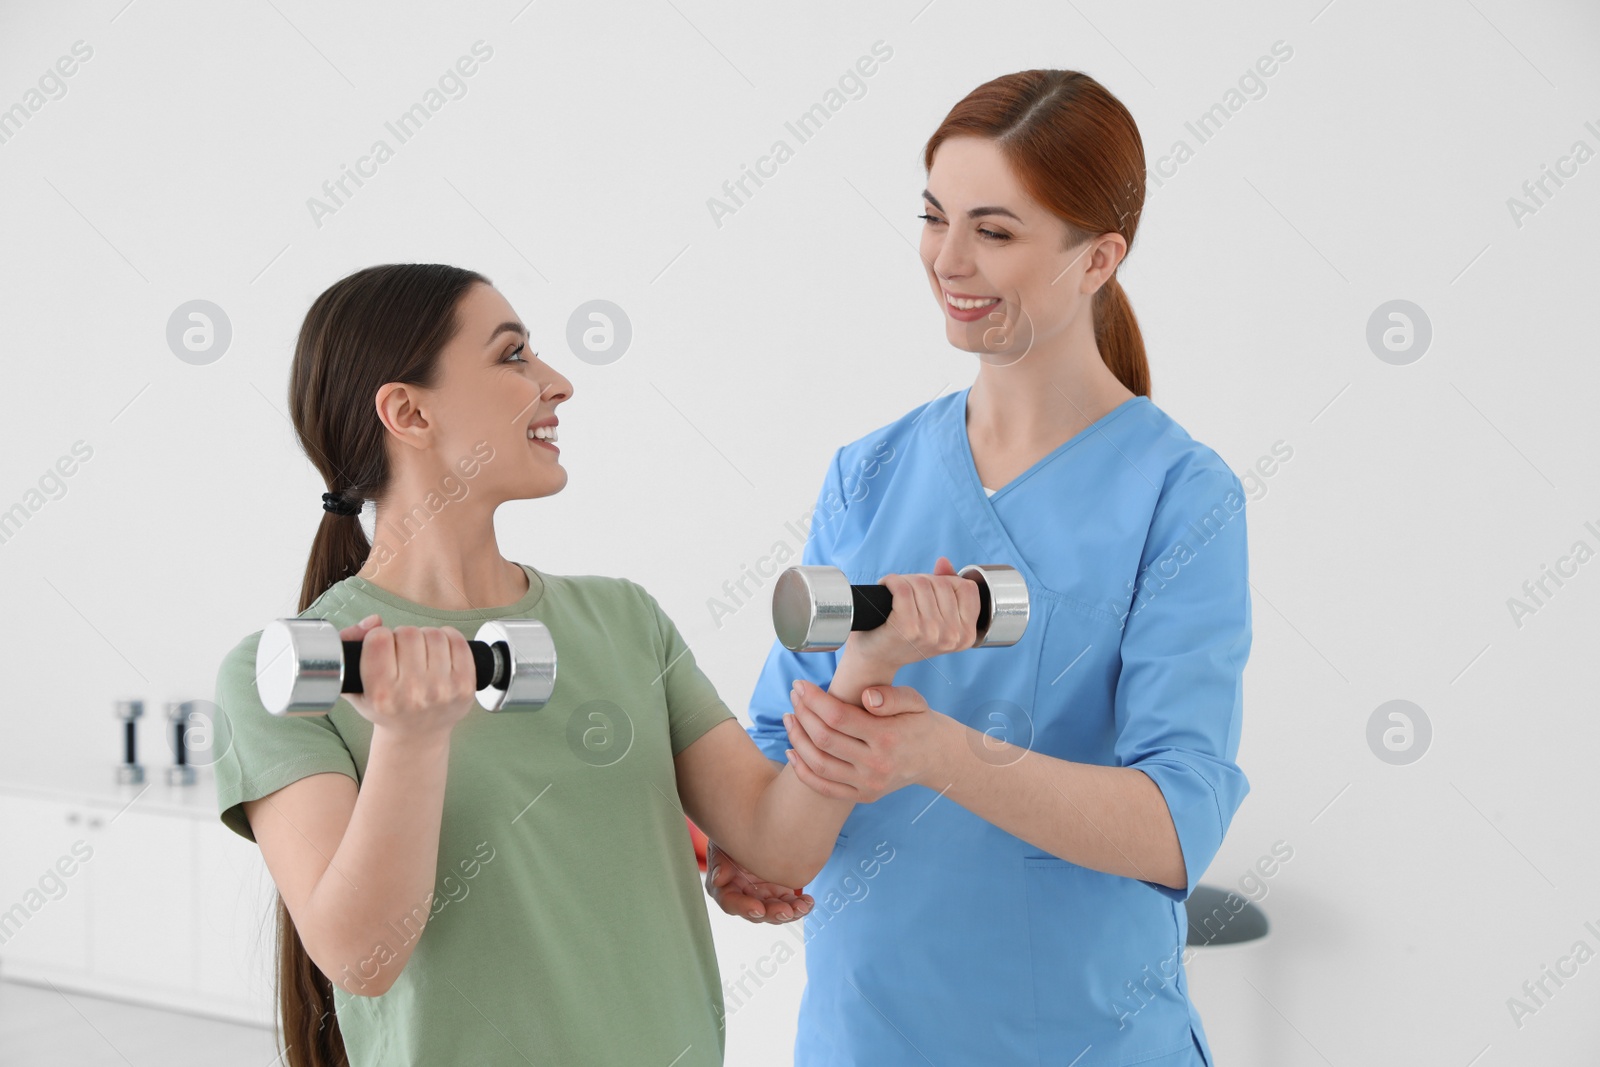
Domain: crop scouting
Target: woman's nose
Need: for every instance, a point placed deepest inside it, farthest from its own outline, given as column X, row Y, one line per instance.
column 556, row 388
column 952, row 260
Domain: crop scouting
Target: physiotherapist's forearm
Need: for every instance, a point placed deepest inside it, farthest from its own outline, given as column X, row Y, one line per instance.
column 1111, row 819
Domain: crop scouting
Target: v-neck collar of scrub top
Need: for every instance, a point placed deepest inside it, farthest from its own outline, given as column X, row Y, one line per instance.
column 976, row 507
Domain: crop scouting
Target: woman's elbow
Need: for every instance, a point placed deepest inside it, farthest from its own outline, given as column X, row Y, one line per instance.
column 368, row 984
column 792, row 870
column 359, row 971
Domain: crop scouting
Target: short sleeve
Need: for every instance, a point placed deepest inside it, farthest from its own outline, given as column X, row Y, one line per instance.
column 693, row 706
column 769, row 701
column 263, row 752
column 1180, row 691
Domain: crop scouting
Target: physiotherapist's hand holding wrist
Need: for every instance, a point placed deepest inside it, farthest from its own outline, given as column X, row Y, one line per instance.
column 841, row 750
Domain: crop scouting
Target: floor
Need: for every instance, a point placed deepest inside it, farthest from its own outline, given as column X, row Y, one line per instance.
column 44, row 1027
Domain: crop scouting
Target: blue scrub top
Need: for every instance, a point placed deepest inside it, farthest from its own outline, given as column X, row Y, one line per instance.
column 937, row 937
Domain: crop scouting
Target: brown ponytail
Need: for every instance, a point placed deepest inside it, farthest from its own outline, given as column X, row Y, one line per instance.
column 1076, row 150
column 382, row 324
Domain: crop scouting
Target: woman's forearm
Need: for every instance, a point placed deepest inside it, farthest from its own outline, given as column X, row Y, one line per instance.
column 797, row 829
column 376, row 894
column 855, row 674
column 797, row 826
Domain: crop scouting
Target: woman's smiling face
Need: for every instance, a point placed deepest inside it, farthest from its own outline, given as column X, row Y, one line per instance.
column 492, row 388
column 996, row 259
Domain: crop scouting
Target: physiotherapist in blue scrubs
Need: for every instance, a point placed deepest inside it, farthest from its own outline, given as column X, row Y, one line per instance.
column 1025, row 821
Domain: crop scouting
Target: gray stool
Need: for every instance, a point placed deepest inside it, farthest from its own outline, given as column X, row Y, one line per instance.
column 1238, row 1026
column 1213, row 922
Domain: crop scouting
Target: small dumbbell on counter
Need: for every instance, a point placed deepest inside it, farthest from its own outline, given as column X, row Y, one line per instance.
column 302, row 665
column 815, row 608
column 130, row 771
column 178, row 713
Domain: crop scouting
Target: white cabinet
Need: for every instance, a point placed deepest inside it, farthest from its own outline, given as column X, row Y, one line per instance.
column 44, row 892
column 236, row 924
column 152, row 901
column 141, row 899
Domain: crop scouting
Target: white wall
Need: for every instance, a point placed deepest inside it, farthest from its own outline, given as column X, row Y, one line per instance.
column 1377, row 166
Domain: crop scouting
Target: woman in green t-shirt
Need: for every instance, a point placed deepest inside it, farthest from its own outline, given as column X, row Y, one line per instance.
column 544, row 852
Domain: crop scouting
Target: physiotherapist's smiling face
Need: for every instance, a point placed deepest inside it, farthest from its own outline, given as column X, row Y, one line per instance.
column 996, row 259
column 493, row 388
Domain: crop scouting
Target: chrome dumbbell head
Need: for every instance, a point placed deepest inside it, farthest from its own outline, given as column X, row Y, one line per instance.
column 1004, row 594
column 303, row 666
column 812, row 608
column 530, row 674
column 299, row 666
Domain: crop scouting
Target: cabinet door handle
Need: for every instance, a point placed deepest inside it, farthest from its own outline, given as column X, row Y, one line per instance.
column 73, row 817
column 94, row 824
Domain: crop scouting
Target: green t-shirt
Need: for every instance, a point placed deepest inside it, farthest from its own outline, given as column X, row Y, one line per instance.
column 568, row 924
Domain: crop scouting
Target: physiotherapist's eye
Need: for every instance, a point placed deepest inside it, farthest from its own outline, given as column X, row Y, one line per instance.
column 932, row 219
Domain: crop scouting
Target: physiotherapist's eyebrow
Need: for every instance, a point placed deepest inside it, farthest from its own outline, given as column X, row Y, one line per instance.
column 977, row 212
column 506, row 327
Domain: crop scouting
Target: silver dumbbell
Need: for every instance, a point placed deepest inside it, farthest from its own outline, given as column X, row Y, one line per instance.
column 181, row 772
column 302, row 665
column 815, row 608
column 130, row 771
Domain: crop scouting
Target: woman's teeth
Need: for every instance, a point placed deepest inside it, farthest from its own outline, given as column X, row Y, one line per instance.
column 543, row 433
column 968, row 305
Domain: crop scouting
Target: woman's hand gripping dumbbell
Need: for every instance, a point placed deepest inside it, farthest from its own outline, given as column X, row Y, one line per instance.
column 816, row 609
column 409, row 679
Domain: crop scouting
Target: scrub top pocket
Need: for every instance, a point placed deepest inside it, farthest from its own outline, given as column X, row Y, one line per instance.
column 1106, row 965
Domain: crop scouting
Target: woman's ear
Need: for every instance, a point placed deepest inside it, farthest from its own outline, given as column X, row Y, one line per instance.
column 398, row 410
column 1105, row 252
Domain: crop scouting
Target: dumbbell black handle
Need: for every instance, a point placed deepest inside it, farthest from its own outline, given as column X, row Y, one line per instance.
column 872, row 604
column 491, row 663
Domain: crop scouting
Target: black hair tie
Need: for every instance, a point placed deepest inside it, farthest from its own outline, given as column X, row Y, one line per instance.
column 337, row 504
